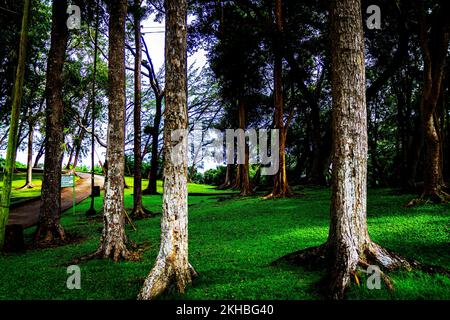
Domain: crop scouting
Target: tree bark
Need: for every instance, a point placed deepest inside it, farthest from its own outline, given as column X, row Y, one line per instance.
column 11, row 151
column 172, row 266
column 348, row 245
column 280, row 186
column 434, row 54
column 113, row 241
column 139, row 211
column 227, row 183
column 242, row 181
column 49, row 226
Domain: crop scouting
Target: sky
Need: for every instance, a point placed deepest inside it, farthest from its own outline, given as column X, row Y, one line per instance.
column 153, row 33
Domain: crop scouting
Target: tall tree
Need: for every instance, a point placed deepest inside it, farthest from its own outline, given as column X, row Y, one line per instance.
column 138, row 207
column 49, row 226
column 113, row 241
column 434, row 46
column 349, row 245
column 14, row 123
column 280, row 186
column 172, row 264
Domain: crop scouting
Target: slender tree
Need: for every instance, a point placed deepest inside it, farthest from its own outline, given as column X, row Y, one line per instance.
column 91, row 211
column 280, row 186
column 113, row 241
column 138, row 207
column 11, row 151
column 172, row 264
column 49, row 226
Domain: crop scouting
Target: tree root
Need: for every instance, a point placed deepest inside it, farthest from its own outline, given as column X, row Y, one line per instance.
column 139, row 213
column 49, row 235
column 339, row 277
column 165, row 276
column 438, row 197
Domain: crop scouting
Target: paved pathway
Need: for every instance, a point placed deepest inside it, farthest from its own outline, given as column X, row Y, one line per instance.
column 27, row 214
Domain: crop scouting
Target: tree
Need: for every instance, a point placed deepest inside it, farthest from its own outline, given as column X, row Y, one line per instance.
column 172, row 264
column 280, row 186
column 349, row 245
column 434, row 52
column 113, row 241
column 138, row 208
column 13, row 129
column 49, row 226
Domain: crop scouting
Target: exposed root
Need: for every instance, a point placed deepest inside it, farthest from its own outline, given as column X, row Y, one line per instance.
column 140, row 213
column 437, row 197
column 341, row 275
column 314, row 257
column 49, row 235
column 165, row 276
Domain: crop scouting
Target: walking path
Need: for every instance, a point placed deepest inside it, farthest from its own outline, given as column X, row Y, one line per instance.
column 27, row 214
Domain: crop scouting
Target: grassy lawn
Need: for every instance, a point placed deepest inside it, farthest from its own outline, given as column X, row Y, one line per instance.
column 232, row 243
column 24, row 194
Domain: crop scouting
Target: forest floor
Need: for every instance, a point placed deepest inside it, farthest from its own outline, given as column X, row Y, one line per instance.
column 232, row 242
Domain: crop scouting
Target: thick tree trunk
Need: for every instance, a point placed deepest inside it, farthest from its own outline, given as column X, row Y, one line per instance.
column 153, row 174
column 11, row 151
column 113, row 242
column 172, row 265
column 49, row 226
column 434, row 54
column 348, row 245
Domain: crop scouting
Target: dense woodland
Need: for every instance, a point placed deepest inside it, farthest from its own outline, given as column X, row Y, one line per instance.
column 359, row 103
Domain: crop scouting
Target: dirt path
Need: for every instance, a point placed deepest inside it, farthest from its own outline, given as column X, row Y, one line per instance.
column 27, row 214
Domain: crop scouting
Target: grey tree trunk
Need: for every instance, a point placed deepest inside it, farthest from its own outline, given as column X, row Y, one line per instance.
column 113, row 241
column 172, row 266
column 348, row 245
column 49, row 226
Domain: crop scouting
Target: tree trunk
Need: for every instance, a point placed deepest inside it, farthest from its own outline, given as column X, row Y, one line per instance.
column 434, row 54
column 113, row 242
column 242, row 177
column 172, row 266
column 49, row 226
column 138, row 208
column 280, row 186
column 39, row 154
column 227, row 183
column 29, row 180
column 153, row 174
column 11, row 151
column 348, row 245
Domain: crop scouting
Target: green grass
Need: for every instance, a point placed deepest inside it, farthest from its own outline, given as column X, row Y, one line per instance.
column 232, row 242
column 24, row 194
